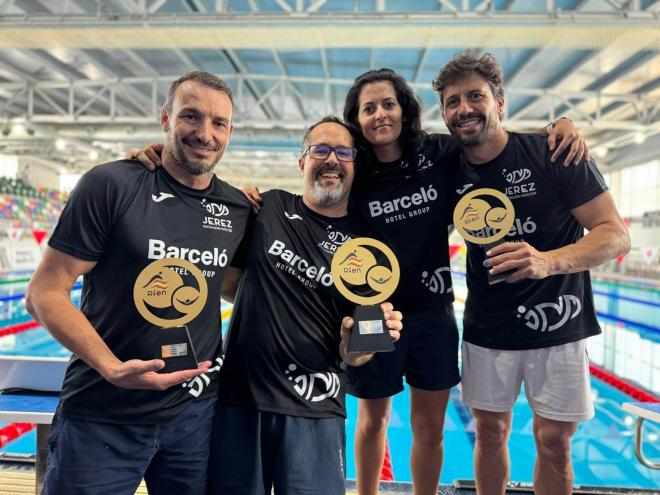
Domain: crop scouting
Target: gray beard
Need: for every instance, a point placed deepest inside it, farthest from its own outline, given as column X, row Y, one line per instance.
column 327, row 198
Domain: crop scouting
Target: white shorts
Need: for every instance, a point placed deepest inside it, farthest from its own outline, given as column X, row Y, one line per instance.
column 557, row 383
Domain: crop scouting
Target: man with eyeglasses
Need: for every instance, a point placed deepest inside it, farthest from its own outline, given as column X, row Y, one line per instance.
column 280, row 418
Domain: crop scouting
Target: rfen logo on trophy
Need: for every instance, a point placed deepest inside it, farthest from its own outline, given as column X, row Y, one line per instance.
column 366, row 272
column 169, row 293
column 163, row 298
column 362, row 279
column 484, row 216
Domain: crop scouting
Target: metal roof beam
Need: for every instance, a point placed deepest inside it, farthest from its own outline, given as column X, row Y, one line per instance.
column 285, row 6
column 233, row 58
column 5, row 4
column 187, row 61
column 132, row 6
column 17, row 89
column 253, row 76
column 640, row 117
column 66, row 71
column 195, row 6
column 135, row 17
column 296, row 95
column 155, row 5
column 253, row 5
column 130, row 94
column 315, row 6
column 420, row 64
column 449, row 5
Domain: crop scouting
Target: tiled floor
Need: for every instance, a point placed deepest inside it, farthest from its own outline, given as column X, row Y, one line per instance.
column 19, row 480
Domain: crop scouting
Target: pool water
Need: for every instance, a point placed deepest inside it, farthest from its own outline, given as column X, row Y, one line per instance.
column 603, row 452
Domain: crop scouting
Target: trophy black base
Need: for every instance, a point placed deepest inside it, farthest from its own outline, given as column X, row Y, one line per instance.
column 498, row 277
column 176, row 349
column 370, row 334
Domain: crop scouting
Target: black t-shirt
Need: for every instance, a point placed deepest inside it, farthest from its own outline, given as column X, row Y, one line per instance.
column 408, row 205
column 125, row 217
column 282, row 349
column 530, row 314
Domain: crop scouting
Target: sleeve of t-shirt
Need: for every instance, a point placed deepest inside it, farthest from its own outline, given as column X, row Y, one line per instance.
column 446, row 146
column 240, row 256
column 88, row 218
column 578, row 184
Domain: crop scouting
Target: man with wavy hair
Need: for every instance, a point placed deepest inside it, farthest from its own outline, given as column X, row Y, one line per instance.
column 531, row 327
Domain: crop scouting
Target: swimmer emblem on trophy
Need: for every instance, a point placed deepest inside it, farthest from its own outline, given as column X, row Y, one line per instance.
column 366, row 272
column 485, row 217
column 169, row 293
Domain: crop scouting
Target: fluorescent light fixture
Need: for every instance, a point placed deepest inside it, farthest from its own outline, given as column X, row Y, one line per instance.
column 18, row 129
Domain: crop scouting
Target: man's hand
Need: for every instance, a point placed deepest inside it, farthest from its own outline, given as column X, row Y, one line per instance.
column 393, row 323
column 521, row 257
column 149, row 156
column 142, row 375
column 253, row 196
column 565, row 132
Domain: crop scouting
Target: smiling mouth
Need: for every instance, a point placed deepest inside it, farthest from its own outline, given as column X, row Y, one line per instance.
column 202, row 149
column 330, row 174
column 468, row 122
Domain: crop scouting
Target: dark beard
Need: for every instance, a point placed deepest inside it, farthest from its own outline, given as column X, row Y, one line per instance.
column 193, row 168
column 474, row 140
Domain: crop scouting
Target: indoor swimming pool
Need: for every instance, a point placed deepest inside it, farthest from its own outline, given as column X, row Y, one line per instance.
column 603, row 452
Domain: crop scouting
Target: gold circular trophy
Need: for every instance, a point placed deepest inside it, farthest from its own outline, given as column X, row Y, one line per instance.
column 169, row 293
column 366, row 272
column 485, row 216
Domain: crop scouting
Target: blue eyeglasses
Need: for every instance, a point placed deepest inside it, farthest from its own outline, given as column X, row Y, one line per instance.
column 321, row 151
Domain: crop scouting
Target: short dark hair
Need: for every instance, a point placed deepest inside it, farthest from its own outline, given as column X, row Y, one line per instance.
column 328, row 119
column 464, row 64
column 411, row 126
column 205, row 79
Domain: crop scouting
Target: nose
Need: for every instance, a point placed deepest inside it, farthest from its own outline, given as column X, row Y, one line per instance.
column 380, row 112
column 464, row 107
column 332, row 157
column 204, row 131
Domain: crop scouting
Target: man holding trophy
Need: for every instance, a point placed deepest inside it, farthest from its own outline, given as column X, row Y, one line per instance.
column 529, row 308
column 153, row 249
column 280, row 418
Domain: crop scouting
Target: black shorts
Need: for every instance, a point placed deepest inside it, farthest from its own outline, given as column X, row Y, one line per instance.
column 426, row 354
column 253, row 452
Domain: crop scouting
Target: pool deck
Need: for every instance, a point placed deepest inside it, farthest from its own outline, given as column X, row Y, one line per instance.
column 19, row 478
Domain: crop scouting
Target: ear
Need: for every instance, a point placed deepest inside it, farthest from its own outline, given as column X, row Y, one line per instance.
column 231, row 129
column 164, row 120
column 500, row 107
column 301, row 164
